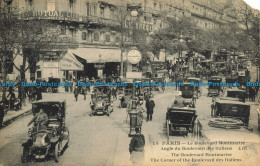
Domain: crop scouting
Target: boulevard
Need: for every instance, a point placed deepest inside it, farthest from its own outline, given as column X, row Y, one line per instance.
column 103, row 140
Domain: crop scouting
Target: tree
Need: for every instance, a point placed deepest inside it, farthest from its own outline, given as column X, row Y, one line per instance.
column 8, row 37
column 27, row 36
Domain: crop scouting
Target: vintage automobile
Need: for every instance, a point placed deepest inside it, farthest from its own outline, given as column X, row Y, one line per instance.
column 101, row 101
column 236, row 93
column 187, row 92
column 242, row 78
column 180, row 120
column 101, row 105
column 49, row 141
column 214, row 90
column 231, row 79
column 158, row 80
column 195, row 81
column 53, row 89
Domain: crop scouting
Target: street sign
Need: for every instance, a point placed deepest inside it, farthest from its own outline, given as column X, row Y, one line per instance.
column 134, row 75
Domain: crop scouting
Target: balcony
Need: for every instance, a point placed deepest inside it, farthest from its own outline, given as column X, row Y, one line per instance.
column 91, row 20
column 100, row 21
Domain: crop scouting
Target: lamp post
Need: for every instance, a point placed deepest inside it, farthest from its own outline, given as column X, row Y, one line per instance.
column 133, row 113
column 133, row 13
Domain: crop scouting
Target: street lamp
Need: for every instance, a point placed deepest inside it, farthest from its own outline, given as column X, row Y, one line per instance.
column 134, row 13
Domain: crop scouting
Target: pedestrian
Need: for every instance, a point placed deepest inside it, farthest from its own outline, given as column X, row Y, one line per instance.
column 213, row 108
column 253, row 94
column 39, row 93
column 114, row 93
column 150, row 106
column 250, row 93
column 2, row 114
column 76, row 92
column 256, row 90
column 136, row 148
column 66, row 87
column 30, row 93
column 84, row 92
column 140, row 117
column 12, row 99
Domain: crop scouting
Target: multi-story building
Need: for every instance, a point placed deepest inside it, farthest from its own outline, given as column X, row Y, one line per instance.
column 102, row 29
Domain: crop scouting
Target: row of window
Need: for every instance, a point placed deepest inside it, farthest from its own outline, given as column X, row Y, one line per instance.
column 96, row 37
column 202, row 10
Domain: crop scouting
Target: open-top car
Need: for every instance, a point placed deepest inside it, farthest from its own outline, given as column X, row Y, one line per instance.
column 101, row 101
column 50, row 139
column 101, row 106
column 180, row 119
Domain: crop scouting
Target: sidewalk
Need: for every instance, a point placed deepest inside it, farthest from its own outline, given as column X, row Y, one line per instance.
column 13, row 115
column 122, row 156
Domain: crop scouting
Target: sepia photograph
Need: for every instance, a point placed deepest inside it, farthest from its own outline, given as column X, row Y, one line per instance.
column 129, row 82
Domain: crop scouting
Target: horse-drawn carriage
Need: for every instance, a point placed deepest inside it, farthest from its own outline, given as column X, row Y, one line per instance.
column 180, row 120
column 50, row 140
column 228, row 107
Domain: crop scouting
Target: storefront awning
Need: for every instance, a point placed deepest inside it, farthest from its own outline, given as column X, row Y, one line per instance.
column 69, row 62
column 93, row 55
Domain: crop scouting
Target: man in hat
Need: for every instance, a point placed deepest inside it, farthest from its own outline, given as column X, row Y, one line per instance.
column 136, row 147
column 76, row 92
column 149, row 106
column 41, row 119
column 84, row 91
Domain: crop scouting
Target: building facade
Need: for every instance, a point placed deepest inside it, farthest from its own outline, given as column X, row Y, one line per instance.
column 103, row 30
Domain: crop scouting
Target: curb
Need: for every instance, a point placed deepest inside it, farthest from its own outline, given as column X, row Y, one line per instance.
column 12, row 119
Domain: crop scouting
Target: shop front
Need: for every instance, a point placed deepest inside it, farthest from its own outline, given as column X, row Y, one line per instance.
column 69, row 66
column 100, row 61
column 47, row 69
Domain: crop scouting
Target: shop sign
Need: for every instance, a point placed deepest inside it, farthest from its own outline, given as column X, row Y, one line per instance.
column 51, row 15
column 99, row 66
column 241, row 73
column 51, row 64
column 69, row 64
column 134, row 75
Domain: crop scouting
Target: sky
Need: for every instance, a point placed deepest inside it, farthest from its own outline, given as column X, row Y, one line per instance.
column 253, row 3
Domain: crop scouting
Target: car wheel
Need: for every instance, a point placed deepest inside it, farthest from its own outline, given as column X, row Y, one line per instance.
column 168, row 128
column 49, row 90
column 68, row 136
column 108, row 112
column 57, row 152
column 24, row 156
